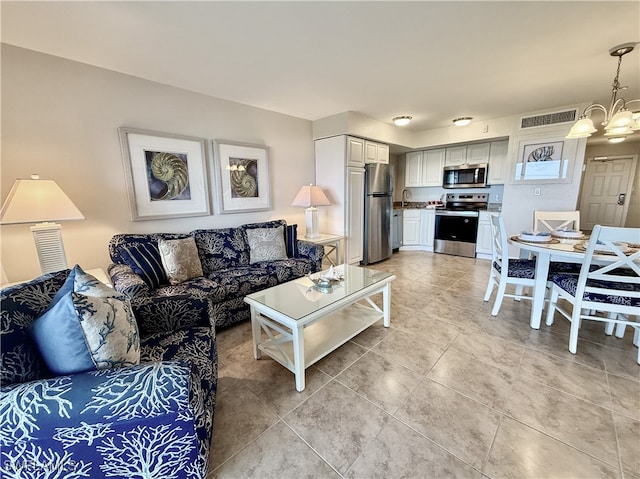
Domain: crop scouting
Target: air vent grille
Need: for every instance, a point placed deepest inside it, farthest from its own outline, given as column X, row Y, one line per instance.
column 547, row 119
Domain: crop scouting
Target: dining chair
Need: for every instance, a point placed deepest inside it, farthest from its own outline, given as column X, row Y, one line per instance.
column 552, row 220
column 504, row 270
column 610, row 288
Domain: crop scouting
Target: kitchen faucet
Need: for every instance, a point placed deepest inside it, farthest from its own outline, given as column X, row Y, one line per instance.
column 405, row 196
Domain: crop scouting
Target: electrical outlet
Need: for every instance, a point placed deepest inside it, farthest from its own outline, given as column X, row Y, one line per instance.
column 485, row 129
column 536, row 191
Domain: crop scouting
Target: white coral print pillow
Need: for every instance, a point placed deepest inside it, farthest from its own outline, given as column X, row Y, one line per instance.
column 180, row 259
column 266, row 244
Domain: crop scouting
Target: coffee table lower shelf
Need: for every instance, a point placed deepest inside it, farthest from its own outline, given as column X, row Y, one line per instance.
column 319, row 338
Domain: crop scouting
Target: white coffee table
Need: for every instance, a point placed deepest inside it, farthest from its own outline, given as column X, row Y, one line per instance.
column 297, row 324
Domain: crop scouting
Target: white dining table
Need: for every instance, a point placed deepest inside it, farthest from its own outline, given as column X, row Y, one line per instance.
column 559, row 249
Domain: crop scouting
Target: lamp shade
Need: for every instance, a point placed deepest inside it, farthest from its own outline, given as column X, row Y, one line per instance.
column 310, row 195
column 35, row 201
column 582, row 128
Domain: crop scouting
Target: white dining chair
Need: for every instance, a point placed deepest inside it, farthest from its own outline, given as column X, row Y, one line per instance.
column 611, row 288
column 504, row 270
column 552, row 220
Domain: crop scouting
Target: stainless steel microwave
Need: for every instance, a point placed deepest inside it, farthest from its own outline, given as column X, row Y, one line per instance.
column 465, row 176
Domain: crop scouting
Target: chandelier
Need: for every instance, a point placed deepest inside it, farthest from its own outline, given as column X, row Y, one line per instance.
column 618, row 122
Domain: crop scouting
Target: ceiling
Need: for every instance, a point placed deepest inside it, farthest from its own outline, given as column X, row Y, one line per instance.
column 432, row 60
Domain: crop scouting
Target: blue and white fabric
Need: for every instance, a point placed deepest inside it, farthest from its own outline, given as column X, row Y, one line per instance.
column 519, row 268
column 569, row 283
column 149, row 420
column 228, row 275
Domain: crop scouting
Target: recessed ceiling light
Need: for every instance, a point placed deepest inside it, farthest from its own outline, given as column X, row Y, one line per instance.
column 462, row 121
column 402, row 120
column 617, row 139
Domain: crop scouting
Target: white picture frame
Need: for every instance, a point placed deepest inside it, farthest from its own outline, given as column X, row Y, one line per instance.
column 166, row 174
column 544, row 159
column 242, row 177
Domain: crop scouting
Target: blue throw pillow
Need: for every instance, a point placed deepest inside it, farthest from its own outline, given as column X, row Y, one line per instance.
column 89, row 326
column 145, row 260
column 291, row 240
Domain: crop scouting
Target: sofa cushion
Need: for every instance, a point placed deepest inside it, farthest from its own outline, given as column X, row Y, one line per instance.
column 144, row 260
column 180, row 259
column 238, row 282
column 21, row 304
column 87, row 326
column 221, row 249
column 266, row 244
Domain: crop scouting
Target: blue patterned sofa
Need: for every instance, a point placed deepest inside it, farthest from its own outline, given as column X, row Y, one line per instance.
column 227, row 272
column 152, row 419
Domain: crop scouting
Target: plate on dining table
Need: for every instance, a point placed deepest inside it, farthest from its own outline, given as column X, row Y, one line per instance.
column 568, row 234
column 602, row 248
column 535, row 237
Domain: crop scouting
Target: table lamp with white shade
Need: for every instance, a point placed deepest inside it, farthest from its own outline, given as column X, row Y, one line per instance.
column 309, row 197
column 42, row 202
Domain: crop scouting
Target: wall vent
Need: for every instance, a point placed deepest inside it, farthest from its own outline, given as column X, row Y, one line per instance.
column 547, row 119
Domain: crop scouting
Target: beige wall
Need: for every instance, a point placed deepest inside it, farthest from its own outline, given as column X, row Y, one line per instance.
column 60, row 120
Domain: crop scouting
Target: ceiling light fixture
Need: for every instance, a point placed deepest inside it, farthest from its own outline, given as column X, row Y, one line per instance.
column 618, row 122
column 402, row 120
column 462, row 121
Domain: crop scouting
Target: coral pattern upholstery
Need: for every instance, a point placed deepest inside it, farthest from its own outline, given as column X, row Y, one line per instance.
column 227, row 277
column 149, row 420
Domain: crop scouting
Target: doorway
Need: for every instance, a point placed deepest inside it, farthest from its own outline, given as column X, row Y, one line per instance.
column 606, row 190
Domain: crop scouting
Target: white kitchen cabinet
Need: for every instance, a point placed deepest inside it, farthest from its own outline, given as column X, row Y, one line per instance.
column 413, row 169
column 432, row 163
column 355, row 152
column 478, row 153
column 455, row 155
column 424, row 168
column 428, row 226
column 498, row 163
column 472, row 153
column 344, row 186
column 354, row 219
column 411, row 230
column 484, row 239
column 376, row 152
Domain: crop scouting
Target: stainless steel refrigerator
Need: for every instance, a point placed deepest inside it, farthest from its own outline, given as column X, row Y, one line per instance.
column 378, row 212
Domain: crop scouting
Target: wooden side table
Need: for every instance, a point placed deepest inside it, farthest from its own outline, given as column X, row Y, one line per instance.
column 331, row 244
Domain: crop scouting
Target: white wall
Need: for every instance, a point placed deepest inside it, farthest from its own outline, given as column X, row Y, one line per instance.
column 60, row 120
column 519, row 198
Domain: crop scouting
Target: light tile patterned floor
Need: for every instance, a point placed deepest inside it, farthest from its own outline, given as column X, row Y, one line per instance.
column 447, row 391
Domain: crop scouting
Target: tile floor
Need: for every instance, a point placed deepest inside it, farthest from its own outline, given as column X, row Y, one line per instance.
column 446, row 391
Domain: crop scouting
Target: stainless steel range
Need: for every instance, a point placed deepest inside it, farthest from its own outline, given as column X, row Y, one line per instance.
column 457, row 224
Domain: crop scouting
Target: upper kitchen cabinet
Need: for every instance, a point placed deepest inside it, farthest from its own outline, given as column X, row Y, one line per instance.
column 498, row 165
column 355, row 152
column 413, row 169
column 376, row 152
column 424, row 168
column 432, row 163
column 455, row 155
column 470, row 154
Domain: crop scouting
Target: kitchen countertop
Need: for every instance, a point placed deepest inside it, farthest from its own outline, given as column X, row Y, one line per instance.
column 423, row 205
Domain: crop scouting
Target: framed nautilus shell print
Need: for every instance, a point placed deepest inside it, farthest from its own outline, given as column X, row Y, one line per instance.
column 242, row 177
column 542, row 159
column 166, row 174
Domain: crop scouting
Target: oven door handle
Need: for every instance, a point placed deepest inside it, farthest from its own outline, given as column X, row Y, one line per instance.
column 456, row 213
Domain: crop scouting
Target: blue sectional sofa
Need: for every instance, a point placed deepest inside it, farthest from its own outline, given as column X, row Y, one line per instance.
column 228, row 273
column 152, row 419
